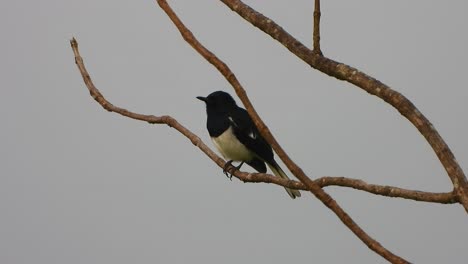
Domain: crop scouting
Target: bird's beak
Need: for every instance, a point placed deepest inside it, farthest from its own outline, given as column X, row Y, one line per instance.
column 201, row 98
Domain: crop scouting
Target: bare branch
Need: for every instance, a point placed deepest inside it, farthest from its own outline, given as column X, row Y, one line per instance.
column 347, row 73
column 263, row 129
column 256, row 177
column 306, row 183
column 383, row 190
column 168, row 120
column 389, row 191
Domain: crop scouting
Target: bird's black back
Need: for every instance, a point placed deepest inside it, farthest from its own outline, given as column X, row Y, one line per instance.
column 247, row 133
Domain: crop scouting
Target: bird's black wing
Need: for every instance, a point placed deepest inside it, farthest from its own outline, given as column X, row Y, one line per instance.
column 245, row 130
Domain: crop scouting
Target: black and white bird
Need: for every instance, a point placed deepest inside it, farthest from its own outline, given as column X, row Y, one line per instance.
column 235, row 136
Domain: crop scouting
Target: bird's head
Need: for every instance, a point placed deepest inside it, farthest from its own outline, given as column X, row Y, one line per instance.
column 218, row 101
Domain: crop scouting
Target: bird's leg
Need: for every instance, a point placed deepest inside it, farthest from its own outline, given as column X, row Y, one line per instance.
column 240, row 165
column 226, row 168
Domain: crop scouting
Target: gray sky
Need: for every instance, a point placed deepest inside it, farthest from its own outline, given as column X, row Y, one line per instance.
column 81, row 185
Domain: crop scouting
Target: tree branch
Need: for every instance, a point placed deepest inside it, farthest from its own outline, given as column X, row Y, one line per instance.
column 306, row 184
column 255, row 177
column 383, row 190
column 347, row 73
column 263, row 129
column 165, row 119
column 389, row 191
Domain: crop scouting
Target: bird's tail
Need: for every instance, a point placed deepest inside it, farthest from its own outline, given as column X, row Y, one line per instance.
column 276, row 169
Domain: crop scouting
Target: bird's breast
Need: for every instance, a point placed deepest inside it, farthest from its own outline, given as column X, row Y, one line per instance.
column 231, row 148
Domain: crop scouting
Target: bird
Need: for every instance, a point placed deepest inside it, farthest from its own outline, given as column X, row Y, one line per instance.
column 236, row 137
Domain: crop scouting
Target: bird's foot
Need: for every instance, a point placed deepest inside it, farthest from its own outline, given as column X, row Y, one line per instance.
column 228, row 171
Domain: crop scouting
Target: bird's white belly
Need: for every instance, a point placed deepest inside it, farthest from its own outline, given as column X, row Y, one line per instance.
column 231, row 148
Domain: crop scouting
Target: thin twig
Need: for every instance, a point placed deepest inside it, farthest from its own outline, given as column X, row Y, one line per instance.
column 316, row 33
column 296, row 170
column 165, row 119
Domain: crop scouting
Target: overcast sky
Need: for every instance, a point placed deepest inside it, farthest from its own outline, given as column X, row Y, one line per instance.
column 81, row 185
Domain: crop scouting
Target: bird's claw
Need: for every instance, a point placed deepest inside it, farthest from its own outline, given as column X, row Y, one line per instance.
column 228, row 170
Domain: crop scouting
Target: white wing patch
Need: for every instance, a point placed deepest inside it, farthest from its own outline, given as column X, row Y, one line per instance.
column 232, row 121
column 251, row 134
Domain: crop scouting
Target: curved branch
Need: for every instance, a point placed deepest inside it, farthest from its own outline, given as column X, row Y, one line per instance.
column 256, row 177
column 347, row 73
column 383, row 190
column 388, row 191
column 165, row 119
column 325, row 198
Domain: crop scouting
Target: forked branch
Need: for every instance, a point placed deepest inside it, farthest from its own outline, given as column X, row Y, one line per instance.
column 263, row 129
column 389, row 191
column 367, row 83
column 315, row 59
